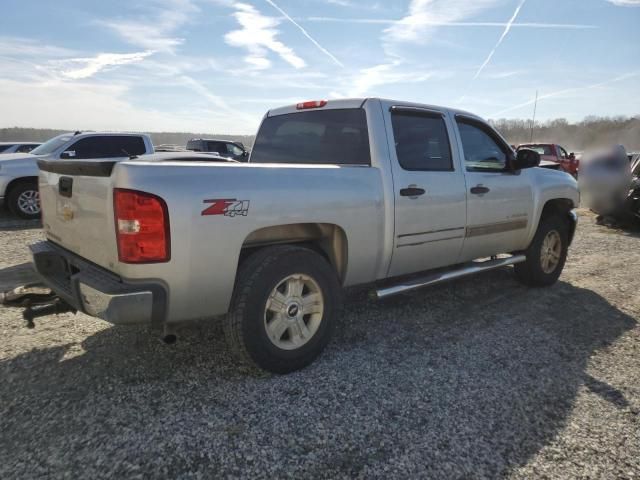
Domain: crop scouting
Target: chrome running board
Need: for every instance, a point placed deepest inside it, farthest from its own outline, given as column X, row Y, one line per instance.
column 443, row 276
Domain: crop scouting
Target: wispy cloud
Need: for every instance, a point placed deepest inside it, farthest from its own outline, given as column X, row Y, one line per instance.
column 157, row 30
column 341, row 3
column 88, row 67
column 416, row 25
column 502, row 37
column 157, row 33
column 21, row 47
column 258, row 36
column 306, row 34
column 433, row 23
column 567, row 91
column 366, row 80
column 625, row 3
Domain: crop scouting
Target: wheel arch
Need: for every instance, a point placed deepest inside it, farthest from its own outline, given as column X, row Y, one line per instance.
column 562, row 207
column 327, row 239
column 18, row 181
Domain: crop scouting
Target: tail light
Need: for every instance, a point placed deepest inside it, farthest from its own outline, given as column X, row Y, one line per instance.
column 142, row 227
column 311, row 104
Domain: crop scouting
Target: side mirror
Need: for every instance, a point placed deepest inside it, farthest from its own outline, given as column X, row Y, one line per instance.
column 68, row 154
column 526, row 158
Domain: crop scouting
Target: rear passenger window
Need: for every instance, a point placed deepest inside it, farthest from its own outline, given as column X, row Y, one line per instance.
column 108, row 147
column 421, row 141
column 336, row 136
column 216, row 147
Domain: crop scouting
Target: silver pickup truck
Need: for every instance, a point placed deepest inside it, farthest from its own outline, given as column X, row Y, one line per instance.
column 358, row 191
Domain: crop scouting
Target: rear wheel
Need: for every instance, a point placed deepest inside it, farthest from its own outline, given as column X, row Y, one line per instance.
column 284, row 305
column 546, row 255
column 23, row 200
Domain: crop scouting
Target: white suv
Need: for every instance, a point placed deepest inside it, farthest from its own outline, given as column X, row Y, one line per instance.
column 19, row 172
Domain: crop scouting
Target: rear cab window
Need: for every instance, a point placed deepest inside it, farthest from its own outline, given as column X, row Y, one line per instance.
column 337, row 136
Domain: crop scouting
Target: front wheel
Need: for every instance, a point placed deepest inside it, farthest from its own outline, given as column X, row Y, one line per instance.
column 23, row 200
column 283, row 308
column 546, row 255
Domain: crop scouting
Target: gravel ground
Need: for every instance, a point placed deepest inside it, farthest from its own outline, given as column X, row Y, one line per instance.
column 477, row 378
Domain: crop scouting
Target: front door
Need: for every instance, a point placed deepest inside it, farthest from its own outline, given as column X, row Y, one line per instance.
column 429, row 189
column 499, row 201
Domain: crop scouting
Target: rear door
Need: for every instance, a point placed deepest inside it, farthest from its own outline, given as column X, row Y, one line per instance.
column 500, row 201
column 429, row 190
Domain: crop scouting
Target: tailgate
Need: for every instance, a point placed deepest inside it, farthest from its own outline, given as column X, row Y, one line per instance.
column 77, row 208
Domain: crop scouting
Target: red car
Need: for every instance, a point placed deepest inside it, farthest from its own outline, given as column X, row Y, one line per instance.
column 555, row 153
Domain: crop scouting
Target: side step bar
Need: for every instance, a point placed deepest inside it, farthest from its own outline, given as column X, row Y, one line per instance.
column 443, row 276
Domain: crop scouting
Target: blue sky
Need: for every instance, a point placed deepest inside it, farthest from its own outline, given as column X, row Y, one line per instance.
column 218, row 65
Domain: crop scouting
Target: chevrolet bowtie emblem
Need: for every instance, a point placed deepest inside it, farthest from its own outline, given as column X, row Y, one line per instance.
column 67, row 212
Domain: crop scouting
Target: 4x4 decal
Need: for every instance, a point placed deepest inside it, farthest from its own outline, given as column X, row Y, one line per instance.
column 229, row 207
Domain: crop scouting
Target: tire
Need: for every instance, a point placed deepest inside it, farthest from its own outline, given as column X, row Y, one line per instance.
column 254, row 325
column 535, row 272
column 23, row 200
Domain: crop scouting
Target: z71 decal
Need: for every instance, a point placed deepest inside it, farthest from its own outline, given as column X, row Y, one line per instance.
column 229, row 207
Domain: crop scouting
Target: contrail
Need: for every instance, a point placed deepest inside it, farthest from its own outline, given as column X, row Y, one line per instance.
column 560, row 93
column 504, row 34
column 304, row 32
column 389, row 21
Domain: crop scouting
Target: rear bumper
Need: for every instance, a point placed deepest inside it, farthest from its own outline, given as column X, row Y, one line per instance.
column 96, row 291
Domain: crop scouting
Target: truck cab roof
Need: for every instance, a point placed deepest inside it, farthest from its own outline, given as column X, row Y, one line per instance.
column 358, row 103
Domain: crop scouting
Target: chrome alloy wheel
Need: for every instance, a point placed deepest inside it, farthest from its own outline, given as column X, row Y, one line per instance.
column 550, row 252
column 293, row 311
column 29, row 202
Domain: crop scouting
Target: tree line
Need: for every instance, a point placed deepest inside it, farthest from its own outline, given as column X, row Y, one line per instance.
column 591, row 132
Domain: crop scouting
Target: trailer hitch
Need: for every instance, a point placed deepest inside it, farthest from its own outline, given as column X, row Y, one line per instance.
column 56, row 307
column 37, row 301
column 26, row 295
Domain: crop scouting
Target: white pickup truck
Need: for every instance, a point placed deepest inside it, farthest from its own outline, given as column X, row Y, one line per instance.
column 19, row 171
column 358, row 191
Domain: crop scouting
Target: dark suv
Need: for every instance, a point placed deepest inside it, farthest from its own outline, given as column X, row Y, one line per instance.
column 224, row 148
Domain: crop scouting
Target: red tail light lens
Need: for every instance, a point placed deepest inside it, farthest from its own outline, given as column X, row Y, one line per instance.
column 142, row 227
column 311, row 104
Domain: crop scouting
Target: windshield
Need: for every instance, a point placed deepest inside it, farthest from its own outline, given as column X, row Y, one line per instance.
column 51, row 145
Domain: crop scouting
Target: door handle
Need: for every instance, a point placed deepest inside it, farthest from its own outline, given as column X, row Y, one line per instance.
column 479, row 190
column 412, row 191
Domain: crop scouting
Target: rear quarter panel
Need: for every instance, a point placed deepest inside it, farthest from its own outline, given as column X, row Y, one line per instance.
column 205, row 248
